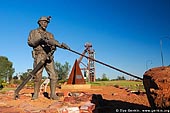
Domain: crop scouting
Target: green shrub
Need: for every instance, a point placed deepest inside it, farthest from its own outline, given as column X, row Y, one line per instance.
column 117, row 86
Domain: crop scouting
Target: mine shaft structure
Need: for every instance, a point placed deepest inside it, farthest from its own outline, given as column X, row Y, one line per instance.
column 89, row 70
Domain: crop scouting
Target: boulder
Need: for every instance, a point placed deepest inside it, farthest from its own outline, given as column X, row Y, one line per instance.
column 156, row 82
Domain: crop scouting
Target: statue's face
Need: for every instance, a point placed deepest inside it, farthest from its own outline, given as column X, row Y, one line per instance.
column 43, row 24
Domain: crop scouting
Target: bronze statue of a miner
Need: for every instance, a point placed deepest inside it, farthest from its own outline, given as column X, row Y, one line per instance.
column 44, row 45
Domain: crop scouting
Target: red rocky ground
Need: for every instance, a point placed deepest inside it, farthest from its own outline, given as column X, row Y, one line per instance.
column 98, row 99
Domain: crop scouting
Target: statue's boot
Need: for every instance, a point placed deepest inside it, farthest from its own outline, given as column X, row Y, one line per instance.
column 36, row 90
column 53, row 95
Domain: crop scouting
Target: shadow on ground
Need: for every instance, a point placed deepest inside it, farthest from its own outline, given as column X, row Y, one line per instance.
column 112, row 106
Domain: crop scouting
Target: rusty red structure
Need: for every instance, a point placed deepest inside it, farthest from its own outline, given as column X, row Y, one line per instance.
column 76, row 76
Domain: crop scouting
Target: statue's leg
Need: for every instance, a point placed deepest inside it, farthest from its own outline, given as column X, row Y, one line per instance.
column 37, row 80
column 53, row 79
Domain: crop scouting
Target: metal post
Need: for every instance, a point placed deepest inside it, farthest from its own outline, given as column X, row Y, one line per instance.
column 161, row 52
column 148, row 61
column 162, row 57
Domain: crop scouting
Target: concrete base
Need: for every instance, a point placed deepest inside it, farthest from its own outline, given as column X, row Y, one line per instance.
column 76, row 86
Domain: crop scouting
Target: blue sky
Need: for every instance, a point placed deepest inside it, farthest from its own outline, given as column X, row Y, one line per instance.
column 124, row 33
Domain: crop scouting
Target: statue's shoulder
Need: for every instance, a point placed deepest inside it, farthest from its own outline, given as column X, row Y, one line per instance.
column 34, row 30
column 50, row 34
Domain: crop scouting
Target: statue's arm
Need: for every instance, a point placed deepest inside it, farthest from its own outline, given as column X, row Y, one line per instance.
column 33, row 41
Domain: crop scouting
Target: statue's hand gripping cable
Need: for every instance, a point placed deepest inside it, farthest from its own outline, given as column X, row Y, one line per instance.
column 50, row 42
column 55, row 43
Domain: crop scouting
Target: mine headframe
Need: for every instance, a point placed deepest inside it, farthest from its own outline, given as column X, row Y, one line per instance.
column 89, row 70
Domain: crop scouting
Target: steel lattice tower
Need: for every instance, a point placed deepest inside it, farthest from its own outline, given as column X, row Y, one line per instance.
column 91, row 65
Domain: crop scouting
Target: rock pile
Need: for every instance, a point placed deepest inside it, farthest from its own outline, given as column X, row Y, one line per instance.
column 157, row 85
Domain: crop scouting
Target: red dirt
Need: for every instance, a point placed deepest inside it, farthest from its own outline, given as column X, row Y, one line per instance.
column 98, row 98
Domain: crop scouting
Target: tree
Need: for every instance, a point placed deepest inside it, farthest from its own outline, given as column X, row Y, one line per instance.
column 104, row 77
column 98, row 79
column 6, row 69
column 62, row 70
column 15, row 77
column 23, row 76
column 121, row 78
column 44, row 77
